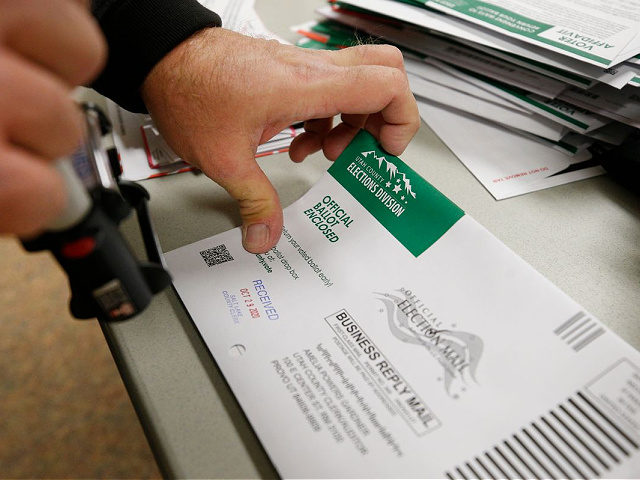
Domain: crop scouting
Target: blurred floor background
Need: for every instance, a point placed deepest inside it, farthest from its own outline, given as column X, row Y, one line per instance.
column 64, row 412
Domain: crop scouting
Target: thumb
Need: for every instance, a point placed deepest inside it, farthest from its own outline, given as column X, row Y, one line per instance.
column 239, row 174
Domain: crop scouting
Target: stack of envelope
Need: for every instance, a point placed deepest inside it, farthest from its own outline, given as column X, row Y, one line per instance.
column 522, row 92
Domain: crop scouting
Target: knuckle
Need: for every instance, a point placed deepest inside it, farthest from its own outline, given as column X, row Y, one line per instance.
column 91, row 54
column 309, row 68
column 65, row 127
column 64, row 111
column 274, row 45
column 306, row 72
column 398, row 81
column 379, row 54
column 415, row 124
column 64, row 37
column 393, row 56
column 36, row 100
column 94, row 61
column 254, row 208
column 364, row 52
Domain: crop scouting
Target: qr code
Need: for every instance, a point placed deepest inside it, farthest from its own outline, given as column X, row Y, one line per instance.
column 216, row 255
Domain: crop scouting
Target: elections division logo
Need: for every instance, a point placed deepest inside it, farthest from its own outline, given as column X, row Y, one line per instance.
column 404, row 203
column 456, row 351
column 398, row 179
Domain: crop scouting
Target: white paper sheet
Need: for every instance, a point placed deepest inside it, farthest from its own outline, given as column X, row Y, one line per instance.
column 593, row 31
column 431, row 71
column 505, row 163
column 494, row 112
column 474, row 35
column 495, row 68
column 621, row 105
column 572, row 117
column 240, row 16
column 356, row 353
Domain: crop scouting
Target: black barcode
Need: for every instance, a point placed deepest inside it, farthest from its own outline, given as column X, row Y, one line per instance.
column 216, row 255
column 577, row 439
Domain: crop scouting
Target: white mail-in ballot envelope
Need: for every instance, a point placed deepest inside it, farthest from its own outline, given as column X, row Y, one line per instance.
column 390, row 335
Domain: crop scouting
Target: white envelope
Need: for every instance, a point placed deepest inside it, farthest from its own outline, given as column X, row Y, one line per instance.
column 389, row 335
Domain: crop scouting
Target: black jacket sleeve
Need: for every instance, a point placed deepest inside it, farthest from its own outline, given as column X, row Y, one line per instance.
column 139, row 33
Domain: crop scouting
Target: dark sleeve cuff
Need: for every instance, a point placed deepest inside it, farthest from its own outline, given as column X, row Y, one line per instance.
column 139, row 34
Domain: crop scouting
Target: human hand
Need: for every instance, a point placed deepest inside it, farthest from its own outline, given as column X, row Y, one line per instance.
column 46, row 48
column 220, row 94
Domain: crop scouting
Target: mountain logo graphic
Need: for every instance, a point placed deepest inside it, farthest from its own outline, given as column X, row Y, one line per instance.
column 401, row 179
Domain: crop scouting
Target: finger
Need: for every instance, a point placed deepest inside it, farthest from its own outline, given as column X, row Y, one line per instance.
column 59, row 35
column 357, row 121
column 341, row 136
column 338, row 139
column 318, row 125
column 311, row 140
column 366, row 89
column 401, row 122
column 374, row 124
column 39, row 115
column 31, row 193
column 238, row 173
column 401, row 114
column 304, row 145
column 385, row 55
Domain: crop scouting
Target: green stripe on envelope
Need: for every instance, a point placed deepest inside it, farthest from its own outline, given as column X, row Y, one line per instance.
column 410, row 208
